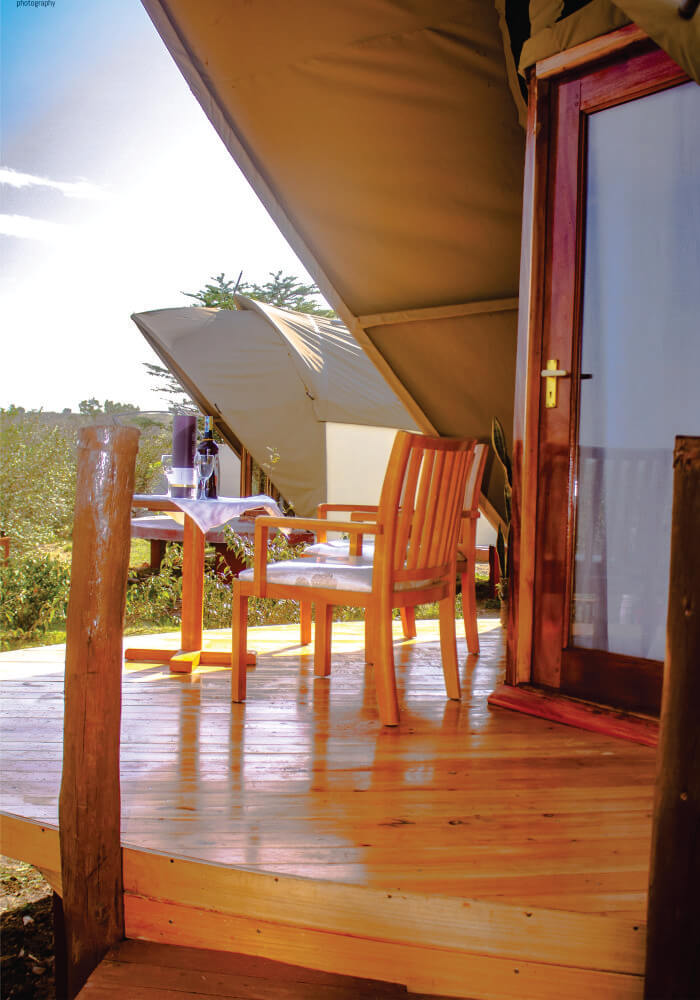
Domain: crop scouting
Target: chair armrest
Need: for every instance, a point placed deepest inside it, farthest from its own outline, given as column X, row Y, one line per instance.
column 319, row 525
column 323, row 508
column 365, row 516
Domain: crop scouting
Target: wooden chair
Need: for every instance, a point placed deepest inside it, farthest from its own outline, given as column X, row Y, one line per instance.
column 466, row 553
column 466, row 547
column 415, row 527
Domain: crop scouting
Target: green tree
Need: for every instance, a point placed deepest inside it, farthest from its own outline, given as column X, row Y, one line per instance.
column 94, row 408
column 219, row 293
column 174, row 395
column 89, row 407
column 283, row 290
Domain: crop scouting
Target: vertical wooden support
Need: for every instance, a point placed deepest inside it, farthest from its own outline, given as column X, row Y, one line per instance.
column 192, row 574
column 673, row 936
column 89, row 803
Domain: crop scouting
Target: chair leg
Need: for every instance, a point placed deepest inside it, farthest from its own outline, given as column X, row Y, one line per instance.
column 239, row 644
column 380, row 642
column 305, row 619
column 408, row 621
column 370, row 637
column 322, row 641
column 448, row 647
column 469, row 611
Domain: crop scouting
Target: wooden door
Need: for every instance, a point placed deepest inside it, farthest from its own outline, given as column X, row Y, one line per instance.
column 621, row 331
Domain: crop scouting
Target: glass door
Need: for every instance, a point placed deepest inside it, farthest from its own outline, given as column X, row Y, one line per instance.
column 622, row 335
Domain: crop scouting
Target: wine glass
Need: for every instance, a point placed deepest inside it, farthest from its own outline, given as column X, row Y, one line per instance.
column 204, row 466
column 166, row 462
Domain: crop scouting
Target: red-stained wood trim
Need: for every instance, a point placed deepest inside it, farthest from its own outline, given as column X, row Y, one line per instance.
column 587, row 52
column 627, row 682
column 544, row 500
column 555, row 426
column 527, row 389
column 580, row 714
column 648, row 72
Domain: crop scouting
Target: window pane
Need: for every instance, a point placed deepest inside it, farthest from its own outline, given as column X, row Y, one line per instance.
column 641, row 347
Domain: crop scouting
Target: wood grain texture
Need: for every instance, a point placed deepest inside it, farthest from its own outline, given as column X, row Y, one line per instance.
column 480, row 833
column 673, row 964
column 89, row 807
column 582, row 714
column 146, row 971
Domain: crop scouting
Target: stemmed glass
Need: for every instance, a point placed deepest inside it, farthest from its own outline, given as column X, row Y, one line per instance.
column 166, row 462
column 204, row 466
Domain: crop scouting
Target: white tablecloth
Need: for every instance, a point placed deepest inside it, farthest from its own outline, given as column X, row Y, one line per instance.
column 209, row 514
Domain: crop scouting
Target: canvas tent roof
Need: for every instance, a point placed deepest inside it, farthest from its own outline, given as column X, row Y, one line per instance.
column 273, row 378
column 383, row 137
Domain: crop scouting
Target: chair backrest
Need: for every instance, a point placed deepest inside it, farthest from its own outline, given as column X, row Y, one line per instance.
column 475, row 475
column 472, row 493
column 421, row 506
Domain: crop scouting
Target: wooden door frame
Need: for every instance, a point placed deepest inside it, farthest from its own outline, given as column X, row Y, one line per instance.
column 582, row 60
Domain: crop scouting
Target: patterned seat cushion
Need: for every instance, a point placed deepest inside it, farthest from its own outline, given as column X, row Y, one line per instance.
column 339, row 550
column 339, row 575
column 353, row 573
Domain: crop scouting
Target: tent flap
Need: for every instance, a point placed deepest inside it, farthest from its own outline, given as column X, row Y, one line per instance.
column 273, row 378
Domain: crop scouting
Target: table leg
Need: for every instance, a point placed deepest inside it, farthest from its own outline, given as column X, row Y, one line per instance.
column 192, row 585
column 191, row 654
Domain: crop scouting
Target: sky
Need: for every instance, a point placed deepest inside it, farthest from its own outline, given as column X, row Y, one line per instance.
column 116, row 196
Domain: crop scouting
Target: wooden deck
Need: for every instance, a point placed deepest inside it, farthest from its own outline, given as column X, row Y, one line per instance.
column 469, row 852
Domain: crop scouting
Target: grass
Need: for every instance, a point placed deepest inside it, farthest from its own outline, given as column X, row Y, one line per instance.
column 145, row 618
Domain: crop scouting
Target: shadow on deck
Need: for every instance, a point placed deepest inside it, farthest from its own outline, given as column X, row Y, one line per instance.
column 469, row 852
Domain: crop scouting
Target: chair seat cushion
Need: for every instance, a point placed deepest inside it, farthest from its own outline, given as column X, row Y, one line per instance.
column 339, row 549
column 353, row 573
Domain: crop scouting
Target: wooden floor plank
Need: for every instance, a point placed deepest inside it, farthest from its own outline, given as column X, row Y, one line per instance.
column 302, row 779
column 147, row 971
column 461, row 805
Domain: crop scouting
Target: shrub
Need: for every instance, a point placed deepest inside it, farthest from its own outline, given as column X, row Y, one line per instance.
column 33, row 596
column 37, row 480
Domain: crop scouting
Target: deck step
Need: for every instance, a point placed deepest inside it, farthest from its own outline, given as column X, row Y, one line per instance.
column 142, row 970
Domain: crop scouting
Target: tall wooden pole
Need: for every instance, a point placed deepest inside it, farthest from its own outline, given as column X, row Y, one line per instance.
column 673, row 935
column 89, row 804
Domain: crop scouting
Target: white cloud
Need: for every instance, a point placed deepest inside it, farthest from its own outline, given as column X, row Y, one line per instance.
column 30, row 229
column 71, row 189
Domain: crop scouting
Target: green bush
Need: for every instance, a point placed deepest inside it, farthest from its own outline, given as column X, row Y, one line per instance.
column 33, row 596
column 37, row 480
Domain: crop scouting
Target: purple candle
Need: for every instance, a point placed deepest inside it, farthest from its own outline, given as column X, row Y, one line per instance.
column 184, row 440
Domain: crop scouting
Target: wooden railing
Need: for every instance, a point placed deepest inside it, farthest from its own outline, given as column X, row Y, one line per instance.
column 673, row 929
column 89, row 803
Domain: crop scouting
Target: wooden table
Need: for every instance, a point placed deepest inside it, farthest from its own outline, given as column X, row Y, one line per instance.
column 190, row 654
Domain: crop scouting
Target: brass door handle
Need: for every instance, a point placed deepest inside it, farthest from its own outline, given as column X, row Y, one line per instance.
column 550, row 374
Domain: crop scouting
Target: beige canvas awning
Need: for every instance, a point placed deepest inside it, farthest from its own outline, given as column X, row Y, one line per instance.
column 274, row 379
column 384, row 139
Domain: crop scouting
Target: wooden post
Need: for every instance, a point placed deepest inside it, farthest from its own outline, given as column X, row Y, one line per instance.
column 89, row 803
column 673, row 936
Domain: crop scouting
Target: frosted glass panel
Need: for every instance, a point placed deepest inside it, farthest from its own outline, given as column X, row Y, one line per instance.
column 641, row 349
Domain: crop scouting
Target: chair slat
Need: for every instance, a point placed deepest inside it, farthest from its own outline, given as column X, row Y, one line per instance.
column 430, row 522
column 444, row 522
column 428, row 461
column 407, row 507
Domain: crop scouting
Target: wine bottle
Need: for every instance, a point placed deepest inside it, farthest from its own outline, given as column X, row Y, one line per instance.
column 209, row 446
